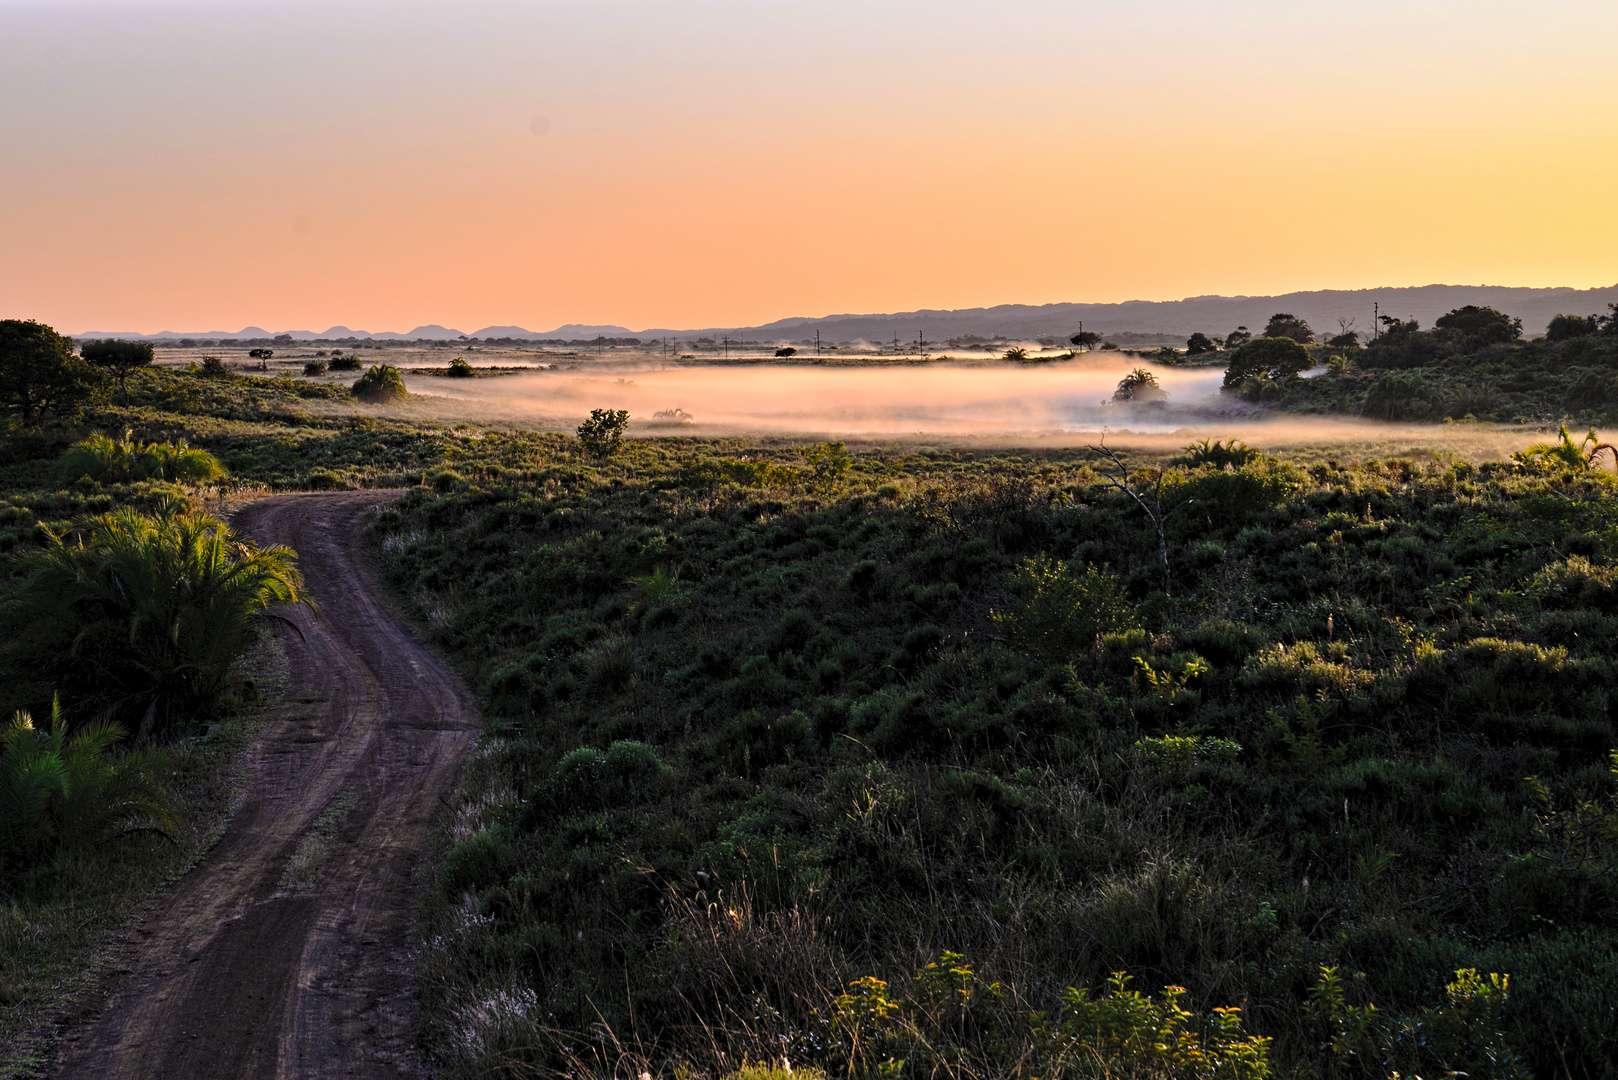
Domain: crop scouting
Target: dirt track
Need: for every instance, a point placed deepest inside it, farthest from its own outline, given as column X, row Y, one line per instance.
column 235, row 974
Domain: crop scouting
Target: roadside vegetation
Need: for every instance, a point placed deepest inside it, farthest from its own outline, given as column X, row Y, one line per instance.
column 865, row 760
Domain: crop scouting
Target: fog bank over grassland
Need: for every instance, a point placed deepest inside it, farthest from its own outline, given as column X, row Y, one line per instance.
column 1062, row 404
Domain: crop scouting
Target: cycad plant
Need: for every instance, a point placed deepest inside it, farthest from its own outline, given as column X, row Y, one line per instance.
column 142, row 615
column 1579, row 456
column 62, row 792
column 109, row 461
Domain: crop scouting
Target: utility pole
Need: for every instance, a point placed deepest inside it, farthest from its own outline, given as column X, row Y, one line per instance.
column 1376, row 321
column 727, row 348
column 817, row 341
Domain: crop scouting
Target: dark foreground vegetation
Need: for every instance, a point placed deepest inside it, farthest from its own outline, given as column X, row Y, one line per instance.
column 879, row 762
column 769, row 723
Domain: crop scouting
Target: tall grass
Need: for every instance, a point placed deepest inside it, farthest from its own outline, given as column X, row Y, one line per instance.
column 140, row 616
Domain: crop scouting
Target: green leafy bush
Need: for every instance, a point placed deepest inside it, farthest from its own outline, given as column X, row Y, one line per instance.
column 460, row 369
column 603, row 434
column 1063, row 612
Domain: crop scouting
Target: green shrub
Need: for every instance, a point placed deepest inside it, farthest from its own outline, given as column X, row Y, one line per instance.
column 380, row 385
column 140, row 615
column 460, row 369
column 603, row 434
column 628, row 772
column 62, row 792
column 346, row 363
column 1062, row 612
column 315, row 367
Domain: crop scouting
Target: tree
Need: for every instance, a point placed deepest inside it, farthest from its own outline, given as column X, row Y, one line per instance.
column 39, row 373
column 1200, row 343
column 603, row 434
column 1085, row 339
column 1479, row 326
column 1284, row 325
column 1566, row 327
column 1238, row 337
column 1349, row 339
column 1138, row 387
column 786, row 350
column 121, row 358
column 1273, row 358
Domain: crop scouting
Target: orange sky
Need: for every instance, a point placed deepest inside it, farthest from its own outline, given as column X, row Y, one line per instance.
column 212, row 164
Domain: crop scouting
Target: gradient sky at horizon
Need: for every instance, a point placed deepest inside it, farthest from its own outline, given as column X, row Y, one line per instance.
column 217, row 163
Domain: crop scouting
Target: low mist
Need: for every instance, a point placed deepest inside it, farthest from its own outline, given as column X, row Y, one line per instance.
column 1057, row 405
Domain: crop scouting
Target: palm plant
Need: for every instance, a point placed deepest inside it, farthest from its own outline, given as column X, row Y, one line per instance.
column 180, row 461
column 380, row 385
column 109, row 461
column 143, row 615
column 1579, row 456
column 61, row 792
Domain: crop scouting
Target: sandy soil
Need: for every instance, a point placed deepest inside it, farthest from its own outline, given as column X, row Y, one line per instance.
column 286, row 951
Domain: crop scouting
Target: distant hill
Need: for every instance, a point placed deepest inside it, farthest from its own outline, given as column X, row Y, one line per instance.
column 1210, row 314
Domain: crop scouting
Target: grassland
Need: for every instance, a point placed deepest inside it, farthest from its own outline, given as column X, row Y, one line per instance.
column 765, row 719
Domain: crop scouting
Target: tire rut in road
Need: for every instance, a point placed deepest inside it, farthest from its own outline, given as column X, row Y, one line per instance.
column 285, row 952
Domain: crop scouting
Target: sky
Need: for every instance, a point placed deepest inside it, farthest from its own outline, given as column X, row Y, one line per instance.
column 212, row 164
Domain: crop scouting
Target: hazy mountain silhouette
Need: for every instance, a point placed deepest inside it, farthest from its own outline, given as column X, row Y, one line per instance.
column 1210, row 314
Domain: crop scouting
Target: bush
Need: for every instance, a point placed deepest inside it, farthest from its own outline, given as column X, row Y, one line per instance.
column 61, row 793
column 214, row 368
column 381, row 385
column 628, row 772
column 315, row 367
column 142, row 616
column 346, row 363
column 1063, row 612
column 603, row 434
column 1267, row 359
column 460, row 369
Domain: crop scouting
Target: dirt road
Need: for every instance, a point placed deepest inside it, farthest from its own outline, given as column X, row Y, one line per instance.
column 285, row 952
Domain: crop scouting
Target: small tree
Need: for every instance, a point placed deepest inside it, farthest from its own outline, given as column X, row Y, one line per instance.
column 1274, row 358
column 1564, row 327
column 1147, row 492
column 1285, row 325
column 460, row 369
column 1200, row 343
column 603, row 434
column 121, row 358
column 1479, row 326
column 1086, row 339
column 1238, row 337
column 39, row 373
column 786, row 350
